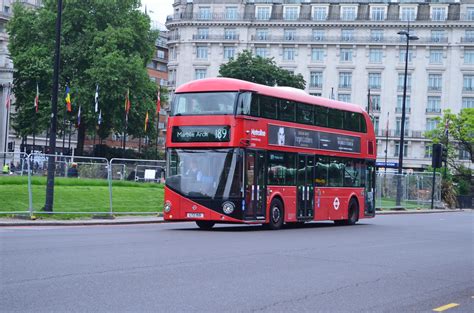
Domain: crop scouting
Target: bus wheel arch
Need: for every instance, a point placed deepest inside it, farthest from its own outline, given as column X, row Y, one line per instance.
column 276, row 213
column 352, row 212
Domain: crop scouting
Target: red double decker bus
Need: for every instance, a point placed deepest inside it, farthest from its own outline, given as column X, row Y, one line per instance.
column 239, row 152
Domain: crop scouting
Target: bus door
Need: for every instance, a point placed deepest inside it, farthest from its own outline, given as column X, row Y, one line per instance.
column 370, row 189
column 255, row 185
column 305, row 188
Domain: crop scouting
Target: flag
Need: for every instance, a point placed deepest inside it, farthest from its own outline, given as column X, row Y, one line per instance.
column 96, row 98
column 79, row 116
column 146, row 121
column 99, row 121
column 37, row 98
column 68, row 99
column 127, row 102
column 158, row 103
column 8, row 100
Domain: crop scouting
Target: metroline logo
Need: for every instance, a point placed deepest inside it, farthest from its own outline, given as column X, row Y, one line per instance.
column 258, row 132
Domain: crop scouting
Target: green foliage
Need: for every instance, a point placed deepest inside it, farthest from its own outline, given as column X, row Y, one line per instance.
column 104, row 42
column 260, row 70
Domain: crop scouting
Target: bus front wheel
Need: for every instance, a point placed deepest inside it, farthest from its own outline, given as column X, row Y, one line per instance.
column 276, row 215
column 206, row 225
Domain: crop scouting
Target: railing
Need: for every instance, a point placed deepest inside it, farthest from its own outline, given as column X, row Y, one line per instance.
column 216, row 37
column 433, row 110
column 399, row 110
column 467, row 39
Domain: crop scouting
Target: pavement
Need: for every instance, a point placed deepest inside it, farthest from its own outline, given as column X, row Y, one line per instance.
column 128, row 220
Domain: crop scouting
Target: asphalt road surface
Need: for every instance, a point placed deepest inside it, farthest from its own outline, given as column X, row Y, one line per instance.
column 393, row 263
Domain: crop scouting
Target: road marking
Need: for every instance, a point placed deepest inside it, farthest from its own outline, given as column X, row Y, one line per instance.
column 445, row 307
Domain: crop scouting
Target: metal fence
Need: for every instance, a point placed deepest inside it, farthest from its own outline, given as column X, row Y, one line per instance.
column 96, row 186
column 414, row 190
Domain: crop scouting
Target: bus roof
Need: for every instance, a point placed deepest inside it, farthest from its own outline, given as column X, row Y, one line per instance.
column 231, row 84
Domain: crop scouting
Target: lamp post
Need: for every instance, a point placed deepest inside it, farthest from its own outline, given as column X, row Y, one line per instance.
column 409, row 37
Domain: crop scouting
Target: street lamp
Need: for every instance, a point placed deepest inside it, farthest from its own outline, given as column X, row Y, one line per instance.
column 409, row 37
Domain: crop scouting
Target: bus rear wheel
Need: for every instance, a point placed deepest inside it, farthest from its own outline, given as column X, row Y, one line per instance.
column 205, row 225
column 352, row 215
column 276, row 215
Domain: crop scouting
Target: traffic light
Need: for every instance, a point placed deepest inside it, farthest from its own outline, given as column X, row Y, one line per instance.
column 437, row 156
column 444, row 154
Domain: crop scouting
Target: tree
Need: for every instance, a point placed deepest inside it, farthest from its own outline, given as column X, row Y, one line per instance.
column 460, row 131
column 104, row 42
column 260, row 70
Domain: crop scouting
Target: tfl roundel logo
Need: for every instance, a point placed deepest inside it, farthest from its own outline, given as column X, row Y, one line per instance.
column 336, row 203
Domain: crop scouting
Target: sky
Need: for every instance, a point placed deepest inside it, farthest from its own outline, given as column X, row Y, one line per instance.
column 158, row 9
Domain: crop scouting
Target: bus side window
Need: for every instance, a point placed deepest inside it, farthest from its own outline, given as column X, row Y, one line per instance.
column 244, row 105
column 268, row 108
column 335, row 118
column 336, row 172
column 305, row 113
column 255, row 105
column 352, row 121
column 286, row 110
column 321, row 178
column 321, row 116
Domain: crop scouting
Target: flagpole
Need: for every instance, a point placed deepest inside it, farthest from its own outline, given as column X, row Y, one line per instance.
column 446, row 131
column 6, row 130
column 64, row 128
column 386, row 142
column 69, row 143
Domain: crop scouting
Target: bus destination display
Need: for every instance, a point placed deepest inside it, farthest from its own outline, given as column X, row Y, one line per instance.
column 200, row 134
column 294, row 137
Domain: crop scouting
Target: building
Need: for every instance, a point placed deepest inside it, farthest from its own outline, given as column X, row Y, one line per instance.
column 7, row 137
column 343, row 49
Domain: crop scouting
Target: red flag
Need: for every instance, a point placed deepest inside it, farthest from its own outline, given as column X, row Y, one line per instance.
column 8, row 100
column 158, row 103
column 146, row 121
column 127, row 102
column 37, row 99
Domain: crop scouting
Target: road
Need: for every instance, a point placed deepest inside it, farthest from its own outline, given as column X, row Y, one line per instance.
column 393, row 263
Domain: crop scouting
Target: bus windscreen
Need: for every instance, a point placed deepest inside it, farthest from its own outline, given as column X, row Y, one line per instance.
column 204, row 103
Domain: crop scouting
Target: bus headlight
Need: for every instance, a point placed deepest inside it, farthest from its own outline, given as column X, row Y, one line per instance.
column 167, row 207
column 228, row 207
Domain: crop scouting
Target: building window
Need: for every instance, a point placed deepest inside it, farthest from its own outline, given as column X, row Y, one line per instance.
column 204, row 13
column 398, row 128
column 318, row 34
column 436, row 56
column 262, row 12
column 290, row 34
column 470, row 13
column 375, row 55
column 345, row 80
column 464, row 154
column 399, row 107
column 376, row 124
column 402, row 54
column 375, row 105
column 203, row 33
column 317, row 54
column 346, row 55
column 407, row 14
column 375, row 80
column 469, row 35
column 434, row 104
column 434, row 82
column 344, row 97
column 468, row 102
column 438, row 14
column 160, row 54
column 438, row 35
column 262, row 52
column 431, row 124
column 376, row 35
column 348, row 13
column 347, row 34
column 290, row 13
column 231, row 13
column 468, row 82
column 262, row 34
column 201, row 52
column 320, row 13
column 200, row 73
column 401, row 81
column 288, row 54
column 316, row 80
column 377, row 13
column 229, row 52
column 428, row 150
column 468, row 56
column 230, row 34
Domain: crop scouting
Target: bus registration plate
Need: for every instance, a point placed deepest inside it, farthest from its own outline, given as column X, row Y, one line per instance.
column 195, row 215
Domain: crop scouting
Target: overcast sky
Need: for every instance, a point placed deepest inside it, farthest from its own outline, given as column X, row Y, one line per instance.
column 158, row 9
